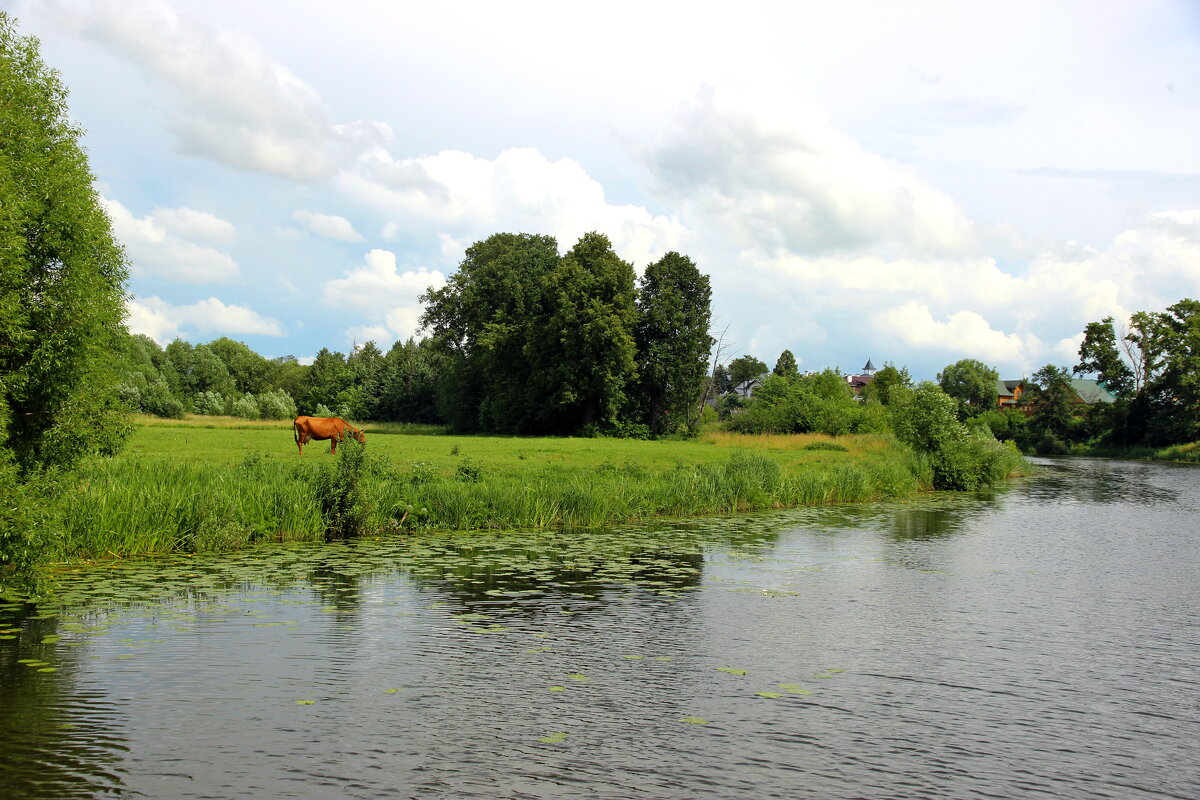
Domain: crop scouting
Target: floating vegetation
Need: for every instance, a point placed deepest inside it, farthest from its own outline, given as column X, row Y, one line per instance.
column 305, row 702
column 556, row 688
column 771, row 695
column 579, row 678
column 794, row 688
column 553, row 738
column 732, row 670
column 694, row 720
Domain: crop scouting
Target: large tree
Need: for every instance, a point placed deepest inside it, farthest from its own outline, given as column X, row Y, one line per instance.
column 585, row 347
column 62, row 275
column 972, row 383
column 480, row 325
column 673, row 344
column 785, row 366
column 1100, row 355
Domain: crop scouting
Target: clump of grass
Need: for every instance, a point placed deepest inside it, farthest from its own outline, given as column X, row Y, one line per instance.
column 833, row 446
column 338, row 492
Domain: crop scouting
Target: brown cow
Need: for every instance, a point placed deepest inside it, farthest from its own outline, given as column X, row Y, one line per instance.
column 322, row 428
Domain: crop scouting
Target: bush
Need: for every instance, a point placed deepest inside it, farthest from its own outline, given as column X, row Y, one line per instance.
column 246, row 407
column 339, row 492
column 211, row 403
column 276, row 405
column 468, row 471
column 26, row 525
column 926, row 419
column 323, row 410
column 158, row 400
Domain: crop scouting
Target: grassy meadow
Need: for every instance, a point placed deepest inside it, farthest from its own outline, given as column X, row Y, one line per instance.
column 214, row 483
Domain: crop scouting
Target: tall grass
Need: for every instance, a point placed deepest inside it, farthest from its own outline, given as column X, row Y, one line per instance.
column 126, row 506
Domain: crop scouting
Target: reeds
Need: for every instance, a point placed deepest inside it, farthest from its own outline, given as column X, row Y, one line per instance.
column 130, row 505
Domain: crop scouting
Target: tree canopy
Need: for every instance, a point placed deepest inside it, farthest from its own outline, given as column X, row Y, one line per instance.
column 537, row 343
column 62, row 275
column 972, row 383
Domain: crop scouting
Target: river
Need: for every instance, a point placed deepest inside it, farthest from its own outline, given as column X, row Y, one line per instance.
column 1042, row 641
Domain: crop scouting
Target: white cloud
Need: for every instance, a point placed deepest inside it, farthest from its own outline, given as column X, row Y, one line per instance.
column 188, row 223
column 155, row 252
column 777, row 176
column 231, row 102
column 963, row 332
column 330, row 225
column 467, row 198
column 385, row 296
column 163, row 321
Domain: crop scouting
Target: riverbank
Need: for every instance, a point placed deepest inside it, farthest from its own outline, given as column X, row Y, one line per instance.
column 1187, row 453
column 212, row 484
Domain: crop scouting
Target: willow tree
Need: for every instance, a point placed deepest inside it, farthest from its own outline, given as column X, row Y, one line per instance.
column 62, row 297
column 61, row 301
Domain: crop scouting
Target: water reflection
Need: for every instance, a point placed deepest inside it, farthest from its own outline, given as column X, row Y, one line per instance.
column 57, row 739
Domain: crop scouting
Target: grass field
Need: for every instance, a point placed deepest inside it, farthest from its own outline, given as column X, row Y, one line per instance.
column 208, row 483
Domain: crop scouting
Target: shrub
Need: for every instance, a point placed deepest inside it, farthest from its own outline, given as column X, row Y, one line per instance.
column 246, row 407
column 926, row 419
column 339, row 492
column 276, row 405
column 468, row 471
column 158, row 400
column 211, row 403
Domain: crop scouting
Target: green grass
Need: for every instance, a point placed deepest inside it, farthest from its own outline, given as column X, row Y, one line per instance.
column 219, row 484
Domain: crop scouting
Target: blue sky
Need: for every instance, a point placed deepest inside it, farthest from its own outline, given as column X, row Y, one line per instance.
column 914, row 182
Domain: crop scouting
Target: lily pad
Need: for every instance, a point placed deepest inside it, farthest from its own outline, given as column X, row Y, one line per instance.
column 557, row 688
column 578, row 677
column 553, row 738
column 732, row 670
column 305, row 702
column 771, row 695
column 694, row 720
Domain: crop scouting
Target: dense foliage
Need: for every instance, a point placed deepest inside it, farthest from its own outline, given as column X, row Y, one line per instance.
column 61, row 275
column 533, row 342
column 224, row 377
column 1154, row 370
column 61, row 300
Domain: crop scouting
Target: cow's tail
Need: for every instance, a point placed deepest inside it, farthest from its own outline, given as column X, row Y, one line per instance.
column 296, row 432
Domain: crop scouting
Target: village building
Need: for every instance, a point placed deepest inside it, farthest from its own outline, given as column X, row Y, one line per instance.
column 860, row 381
column 1085, row 392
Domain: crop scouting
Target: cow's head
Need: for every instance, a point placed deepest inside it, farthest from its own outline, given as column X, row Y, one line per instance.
column 362, row 437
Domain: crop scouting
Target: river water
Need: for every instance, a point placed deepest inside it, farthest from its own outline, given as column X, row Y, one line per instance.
column 1041, row 641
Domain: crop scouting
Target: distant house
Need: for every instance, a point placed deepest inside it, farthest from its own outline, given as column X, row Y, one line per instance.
column 1009, row 393
column 746, row 388
column 1087, row 392
column 860, row 381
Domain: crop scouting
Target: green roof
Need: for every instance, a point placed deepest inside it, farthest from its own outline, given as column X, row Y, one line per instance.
column 1092, row 392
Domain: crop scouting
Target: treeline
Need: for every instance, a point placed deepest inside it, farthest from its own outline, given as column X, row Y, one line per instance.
column 960, row 455
column 225, row 377
column 523, row 341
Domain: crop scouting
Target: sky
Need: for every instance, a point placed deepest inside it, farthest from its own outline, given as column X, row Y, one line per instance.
column 914, row 182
